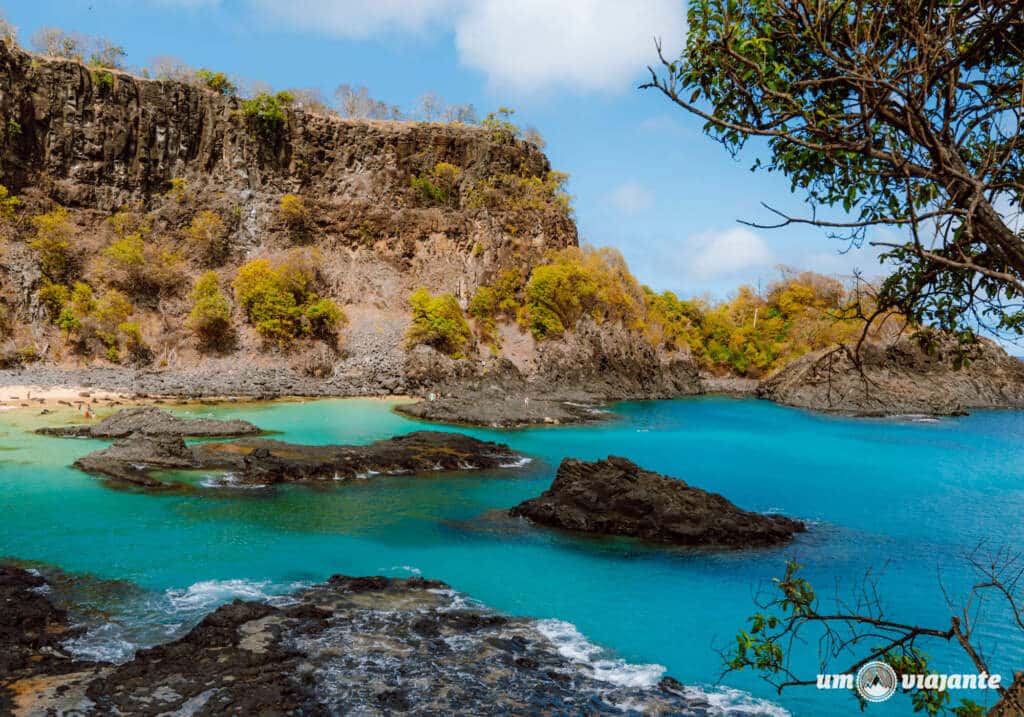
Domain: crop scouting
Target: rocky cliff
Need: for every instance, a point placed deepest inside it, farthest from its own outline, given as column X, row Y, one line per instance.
column 901, row 377
column 99, row 142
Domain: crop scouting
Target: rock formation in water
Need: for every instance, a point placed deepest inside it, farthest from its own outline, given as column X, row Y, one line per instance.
column 349, row 646
column 152, row 421
column 902, row 377
column 258, row 461
column 618, row 497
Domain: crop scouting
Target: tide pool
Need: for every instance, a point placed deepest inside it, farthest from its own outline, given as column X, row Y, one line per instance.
column 902, row 498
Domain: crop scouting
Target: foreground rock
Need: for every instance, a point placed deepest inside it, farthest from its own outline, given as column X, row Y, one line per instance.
column 368, row 646
column 257, row 461
column 152, row 421
column 618, row 497
column 899, row 378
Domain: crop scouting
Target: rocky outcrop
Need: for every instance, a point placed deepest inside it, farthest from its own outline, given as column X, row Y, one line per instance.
column 257, row 461
column 368, row 645
column 618, row 497
column 901, row 377
column 502, row 398
column 152, row 421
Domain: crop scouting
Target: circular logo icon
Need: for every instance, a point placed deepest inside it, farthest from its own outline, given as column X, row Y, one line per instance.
column 876, row 682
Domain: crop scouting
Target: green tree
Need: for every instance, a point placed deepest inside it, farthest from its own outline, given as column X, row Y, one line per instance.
column 854, row 631
column 216, row 81
column 210, row 317
column 267, row 113
column 52, row 243
column 438, row 321
column 905, row 114
column 280, row 301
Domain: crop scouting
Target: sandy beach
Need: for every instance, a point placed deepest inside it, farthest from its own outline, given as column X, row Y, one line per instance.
column 13, row 396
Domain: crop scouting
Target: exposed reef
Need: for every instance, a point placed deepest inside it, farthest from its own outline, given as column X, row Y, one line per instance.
column 369, row 646
column 618, row 497
column 258, row 461
column 152, row 421
column 904, row 377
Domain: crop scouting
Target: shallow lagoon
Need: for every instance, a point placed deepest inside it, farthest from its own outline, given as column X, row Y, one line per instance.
column 902, row 497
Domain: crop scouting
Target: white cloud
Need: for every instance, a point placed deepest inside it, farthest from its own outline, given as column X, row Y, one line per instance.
column 631, row 198
column 723, row 253
column 357, row 18
column 530, row 45
column 522, row 46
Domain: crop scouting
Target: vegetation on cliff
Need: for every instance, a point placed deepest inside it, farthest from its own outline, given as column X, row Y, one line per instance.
column 438, row 321
column 280, row 299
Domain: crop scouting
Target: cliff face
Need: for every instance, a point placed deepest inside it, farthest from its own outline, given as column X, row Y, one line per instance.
column 102, row 140
column 98, row 142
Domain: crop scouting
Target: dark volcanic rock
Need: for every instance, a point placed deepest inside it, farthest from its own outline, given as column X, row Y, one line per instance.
column 506, row 411
column 617, row 497
column 131, row 459
column 30, row 625
column 152, row 421
column 259, row 461
column 899, row 378
column 366, row 646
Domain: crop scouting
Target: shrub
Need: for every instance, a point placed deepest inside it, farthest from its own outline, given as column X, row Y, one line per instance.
column 437, row 321
column 54, row 297
column 577, row 283
column 497, row 300
column 52, row 244
column 280, row 301
column 267, row 113
column 293, row 212
column 210, row 317
column 139, row 267
column 6, row 324
column 208, row 234
column 439, row 187
column 103, row 320
column 179, row 190
column 8, row 204
column 216, row 81
column 324, row 317
column 102, row 78
column 518, row 192
column 106, row 54
column 427, row 193
column 502, row 124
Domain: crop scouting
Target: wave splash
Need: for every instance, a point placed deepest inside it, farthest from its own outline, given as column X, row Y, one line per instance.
column 160, row 617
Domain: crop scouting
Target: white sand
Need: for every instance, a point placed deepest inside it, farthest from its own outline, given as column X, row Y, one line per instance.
column 19, row 396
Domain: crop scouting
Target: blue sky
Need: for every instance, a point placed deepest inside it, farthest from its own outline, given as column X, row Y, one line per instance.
column 645, row 178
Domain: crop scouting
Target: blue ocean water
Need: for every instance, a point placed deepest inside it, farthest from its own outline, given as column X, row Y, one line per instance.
column 901, row 498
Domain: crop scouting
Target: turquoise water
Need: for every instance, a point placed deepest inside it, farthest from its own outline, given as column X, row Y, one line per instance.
column 905, row 496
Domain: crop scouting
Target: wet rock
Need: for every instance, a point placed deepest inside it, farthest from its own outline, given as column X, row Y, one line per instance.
column 618, row 497
column 131, row 459
column 30, row 625
column 152, row 421
column 900, row 378
column 259, row 461
column 360, row 645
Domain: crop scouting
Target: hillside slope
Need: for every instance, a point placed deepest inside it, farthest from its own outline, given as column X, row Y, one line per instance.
column 139, row 164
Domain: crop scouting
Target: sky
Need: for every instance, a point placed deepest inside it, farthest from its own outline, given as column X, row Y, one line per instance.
column 645, row 178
